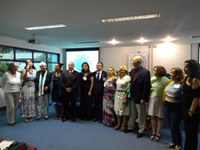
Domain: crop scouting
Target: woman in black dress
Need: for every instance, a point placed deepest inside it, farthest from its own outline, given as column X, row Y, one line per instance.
column 87, row 82
column 56, row 89
column 191, row 95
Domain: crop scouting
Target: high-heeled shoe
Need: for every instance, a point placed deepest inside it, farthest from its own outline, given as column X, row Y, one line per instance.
column 171, row 145
column 177, row 147
column 124, row 128
column 117, row 127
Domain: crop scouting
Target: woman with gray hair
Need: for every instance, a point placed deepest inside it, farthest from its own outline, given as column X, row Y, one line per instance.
column 11, row 84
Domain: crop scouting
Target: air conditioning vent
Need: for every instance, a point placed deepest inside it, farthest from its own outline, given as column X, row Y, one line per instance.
column 195, row 37
column 88, row 42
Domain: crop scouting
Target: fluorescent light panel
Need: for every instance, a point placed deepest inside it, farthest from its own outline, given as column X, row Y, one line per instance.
column 149, row 16
column 46, row 27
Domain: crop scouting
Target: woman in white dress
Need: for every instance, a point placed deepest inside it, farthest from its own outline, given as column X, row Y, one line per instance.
column 121, row 98
column 28, row 104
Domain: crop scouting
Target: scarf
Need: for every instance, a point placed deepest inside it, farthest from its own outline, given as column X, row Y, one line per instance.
column 42, row 80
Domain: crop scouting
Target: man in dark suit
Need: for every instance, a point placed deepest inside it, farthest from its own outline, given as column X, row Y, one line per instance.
column 42, row 87
column 140, row 91
column 98, row 89
column 70, row 84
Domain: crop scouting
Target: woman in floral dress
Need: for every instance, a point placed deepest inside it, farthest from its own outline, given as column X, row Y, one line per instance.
column 109, row 117
column 28, row 103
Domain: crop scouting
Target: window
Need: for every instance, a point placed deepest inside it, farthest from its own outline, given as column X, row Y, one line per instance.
column 37, row 65
column 52, row 57
column 23, row 54
column 6, row 53
column 40, row 56
column 51, row 66
column 19, row 55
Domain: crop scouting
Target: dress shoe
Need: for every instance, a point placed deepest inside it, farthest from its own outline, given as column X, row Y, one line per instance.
column 73, row 120
column 38, row 118
column 139, row 135
column 64, row 119
column 128, row 130
column 46, row 117
column 11, row 124
column 94, row 120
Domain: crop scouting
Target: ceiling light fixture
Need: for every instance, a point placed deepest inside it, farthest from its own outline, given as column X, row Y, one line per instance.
column 113, row 42
column 142, row 40
column 141, row 17
column 168, row 39
column 46, row 27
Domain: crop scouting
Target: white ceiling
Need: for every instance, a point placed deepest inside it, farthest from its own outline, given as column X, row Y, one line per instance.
column 179, row 19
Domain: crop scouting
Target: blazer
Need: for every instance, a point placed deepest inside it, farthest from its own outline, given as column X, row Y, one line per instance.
column 99, row 84
column 71, row 81
column 47, row 82
column 140, row 86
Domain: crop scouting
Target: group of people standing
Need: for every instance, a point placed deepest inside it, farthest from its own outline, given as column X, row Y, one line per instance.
column 21, row 89
column 117, row 99
column 177, row 98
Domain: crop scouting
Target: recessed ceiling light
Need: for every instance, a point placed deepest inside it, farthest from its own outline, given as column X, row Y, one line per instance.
column 141, row 17
column 142, row 40
column 46, row 27
column 113, row 42
column 168, row 39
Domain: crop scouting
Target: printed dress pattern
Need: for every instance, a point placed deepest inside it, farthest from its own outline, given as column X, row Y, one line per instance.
column 28, row 103
column 108, row 103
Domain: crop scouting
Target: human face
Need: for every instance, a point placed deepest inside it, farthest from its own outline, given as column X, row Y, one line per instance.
column 85, row 67
column 14, row 67
column 155, row 71
column 99, row 66
column 43, row 68
column 110, row 71
column 136, row 64
column 57, row 67
column 186, row 69
column 122, row 73
column 29, row 63
column 172, row 75
column 71, row 66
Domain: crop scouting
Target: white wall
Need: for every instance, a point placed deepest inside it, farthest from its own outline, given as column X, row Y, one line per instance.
column 169, row 56
column 117, row 56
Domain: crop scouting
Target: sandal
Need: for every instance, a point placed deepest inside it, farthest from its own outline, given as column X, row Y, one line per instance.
column 171, row 145
column 177, row 147
column 151, row 138
column 117, row 127
column 156, row 138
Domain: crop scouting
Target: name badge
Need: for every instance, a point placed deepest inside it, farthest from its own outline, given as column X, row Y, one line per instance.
column 104, row 79
column 176, row 86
